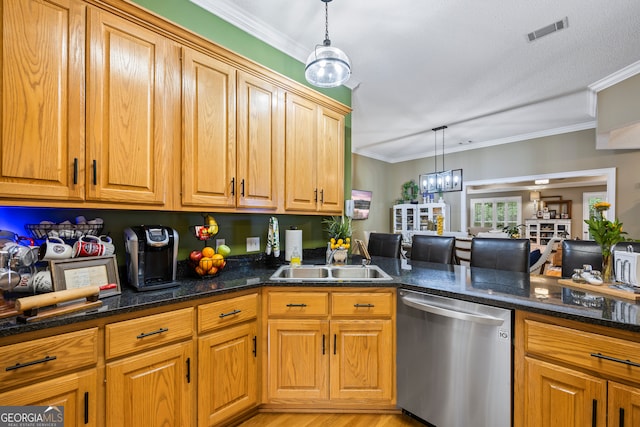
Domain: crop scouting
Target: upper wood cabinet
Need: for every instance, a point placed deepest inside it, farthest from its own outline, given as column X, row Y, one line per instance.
column 43, row 76
column 106, row 104
column 129, row 111
column 314, row 153
column 232, row 136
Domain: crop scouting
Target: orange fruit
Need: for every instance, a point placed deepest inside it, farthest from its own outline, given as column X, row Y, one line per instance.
column 217, row 260
column 200, row 271
column 212, row 270
column 206, row 263
column 208, row 252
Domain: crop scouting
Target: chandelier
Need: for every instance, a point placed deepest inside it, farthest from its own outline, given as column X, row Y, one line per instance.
column 443, row 180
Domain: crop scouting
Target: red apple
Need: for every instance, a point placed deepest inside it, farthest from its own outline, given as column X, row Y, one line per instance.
column 195, row 256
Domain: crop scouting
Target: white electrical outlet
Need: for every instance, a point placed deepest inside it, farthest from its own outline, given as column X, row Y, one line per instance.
column 218, row 243
column 253, row 244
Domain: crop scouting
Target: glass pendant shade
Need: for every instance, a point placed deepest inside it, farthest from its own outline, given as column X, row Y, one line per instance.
column 327, row 66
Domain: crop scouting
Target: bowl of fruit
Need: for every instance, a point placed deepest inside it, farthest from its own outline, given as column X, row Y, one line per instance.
column 208, row 262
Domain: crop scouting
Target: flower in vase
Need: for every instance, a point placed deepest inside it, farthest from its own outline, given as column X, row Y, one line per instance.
column 606, row 233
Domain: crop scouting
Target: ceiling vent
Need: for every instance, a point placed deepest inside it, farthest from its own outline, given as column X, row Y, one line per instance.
column 551, row 28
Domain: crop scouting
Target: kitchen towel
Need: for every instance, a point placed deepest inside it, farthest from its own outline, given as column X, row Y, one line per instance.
column 292, row 240
column 273, row 238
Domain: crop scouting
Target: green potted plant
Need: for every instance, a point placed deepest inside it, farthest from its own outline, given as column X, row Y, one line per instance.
column 339, row 229
column 514, row 231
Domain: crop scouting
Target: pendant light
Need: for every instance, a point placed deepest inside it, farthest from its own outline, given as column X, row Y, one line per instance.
column 442, row 180
column 327, row 66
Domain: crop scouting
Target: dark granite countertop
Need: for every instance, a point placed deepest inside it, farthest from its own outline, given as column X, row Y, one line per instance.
column 511, row 290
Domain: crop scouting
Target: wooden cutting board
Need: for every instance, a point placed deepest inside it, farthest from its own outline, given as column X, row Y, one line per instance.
column 605, row 289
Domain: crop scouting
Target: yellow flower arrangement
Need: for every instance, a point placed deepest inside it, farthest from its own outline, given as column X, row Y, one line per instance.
column 606, row 234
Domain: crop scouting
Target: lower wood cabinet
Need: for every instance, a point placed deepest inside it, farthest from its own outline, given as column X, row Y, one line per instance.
column 77, row 393
column 330, row 348
column 227, row 373
column 571, row 374
column 228, row 379
column 153, row 388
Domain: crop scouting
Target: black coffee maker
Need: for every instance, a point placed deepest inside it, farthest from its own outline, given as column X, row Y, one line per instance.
column 152, row 256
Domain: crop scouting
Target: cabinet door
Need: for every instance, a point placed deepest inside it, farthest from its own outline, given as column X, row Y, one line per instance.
column 298, row 360
column 77, row 393
column 227, row 373
column 151, row 389
column 42, row 145
column 624, row 405
column 209, row 142
column 330, row 159
column 260, row 145
column 561, row 397
column 362, row 366
column 301, row 190
column 128, row 151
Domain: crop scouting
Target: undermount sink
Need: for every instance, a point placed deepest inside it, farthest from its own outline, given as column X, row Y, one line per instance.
column 330, row 273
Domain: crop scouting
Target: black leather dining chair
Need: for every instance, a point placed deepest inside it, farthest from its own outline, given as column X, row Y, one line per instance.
column 385, row 244
column 576, row 253
column 433, row 248
column 500, row 254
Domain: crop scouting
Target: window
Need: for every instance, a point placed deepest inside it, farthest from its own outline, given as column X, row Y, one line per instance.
column 496, row 212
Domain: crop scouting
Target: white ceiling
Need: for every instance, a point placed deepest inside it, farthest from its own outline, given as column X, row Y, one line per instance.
column 466, row 64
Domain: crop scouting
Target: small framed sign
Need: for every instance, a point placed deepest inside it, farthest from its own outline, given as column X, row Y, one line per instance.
column 90, row 271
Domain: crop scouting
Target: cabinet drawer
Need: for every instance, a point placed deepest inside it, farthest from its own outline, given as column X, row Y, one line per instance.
column 148, row 332
column 605, row 355
column 30, row 361
column 227, row 312
column 298, row 304
column 362, row 304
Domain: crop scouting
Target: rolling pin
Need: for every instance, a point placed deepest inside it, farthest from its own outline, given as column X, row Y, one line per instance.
column 44, row 300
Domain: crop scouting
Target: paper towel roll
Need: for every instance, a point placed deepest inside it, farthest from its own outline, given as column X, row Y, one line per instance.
column 292, row 239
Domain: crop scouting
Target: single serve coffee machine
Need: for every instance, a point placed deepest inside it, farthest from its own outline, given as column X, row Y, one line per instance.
column 152, row 256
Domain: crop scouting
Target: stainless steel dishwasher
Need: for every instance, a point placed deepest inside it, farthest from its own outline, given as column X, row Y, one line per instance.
column 454, row 365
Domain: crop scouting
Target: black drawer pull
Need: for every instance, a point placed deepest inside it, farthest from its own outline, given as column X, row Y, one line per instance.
column 34, row 362
column 148, row 334
column 297, row 305
column 363, row 305
column 231, row 313
column 615, row 359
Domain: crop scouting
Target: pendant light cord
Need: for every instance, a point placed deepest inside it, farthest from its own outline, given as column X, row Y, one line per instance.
column 327, row 42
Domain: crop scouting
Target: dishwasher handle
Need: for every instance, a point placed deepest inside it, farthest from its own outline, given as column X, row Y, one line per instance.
column 452, row 312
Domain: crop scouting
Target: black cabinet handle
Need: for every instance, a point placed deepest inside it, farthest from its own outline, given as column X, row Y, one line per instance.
column 255, row 346
column 322, row 196
column 594, row 413
column 323, row 346
column 75, row 170
column 95, row 172
column 231, row 313
column 33, row 362
column 335, row 340
column 621, row 424
column 315, row 195
column 188, row 370
column 615, row 359
column 363, row 305
column 148, row 334
column 86, row 407
column 296, row 305
column 233, row 186
column 242, row 188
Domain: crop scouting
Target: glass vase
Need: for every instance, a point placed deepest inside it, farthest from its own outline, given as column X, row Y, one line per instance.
column 607, row 268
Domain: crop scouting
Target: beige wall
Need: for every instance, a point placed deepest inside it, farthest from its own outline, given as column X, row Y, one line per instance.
column 559, row 153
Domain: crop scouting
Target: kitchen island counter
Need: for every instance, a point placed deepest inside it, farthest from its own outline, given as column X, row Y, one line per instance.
column 519, row 291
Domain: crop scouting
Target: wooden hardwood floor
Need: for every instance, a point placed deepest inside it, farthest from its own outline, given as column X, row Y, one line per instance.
column 330, row 420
